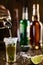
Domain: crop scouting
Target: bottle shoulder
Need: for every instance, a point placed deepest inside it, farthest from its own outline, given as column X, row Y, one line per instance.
column 40, row 23
column 25, row 20
column 21, row 21
column 36, row 23
column 31, row 23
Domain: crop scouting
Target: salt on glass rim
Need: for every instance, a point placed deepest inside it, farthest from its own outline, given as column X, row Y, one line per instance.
column 10, row 40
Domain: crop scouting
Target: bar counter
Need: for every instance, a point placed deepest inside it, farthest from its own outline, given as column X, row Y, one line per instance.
column 19, row 60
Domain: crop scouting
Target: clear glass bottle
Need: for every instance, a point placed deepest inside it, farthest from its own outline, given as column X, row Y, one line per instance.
column 24, row 30
column 35, row 30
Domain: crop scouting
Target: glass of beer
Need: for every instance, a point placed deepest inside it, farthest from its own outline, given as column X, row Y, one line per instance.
column 10, row 44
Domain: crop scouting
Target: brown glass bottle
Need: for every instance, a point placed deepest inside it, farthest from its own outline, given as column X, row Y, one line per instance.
column 35, row 33
column 38, row 14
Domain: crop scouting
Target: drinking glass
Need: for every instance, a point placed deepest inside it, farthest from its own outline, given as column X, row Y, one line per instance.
column 10, row 44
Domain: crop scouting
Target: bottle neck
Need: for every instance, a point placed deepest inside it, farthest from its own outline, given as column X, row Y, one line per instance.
column 33, row 12
column 33, row 9
column 34, row 16
column 38, row 12
column 25, row 14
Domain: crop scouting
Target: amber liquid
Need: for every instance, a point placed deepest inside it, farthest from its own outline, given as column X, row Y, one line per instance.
column 35, row 35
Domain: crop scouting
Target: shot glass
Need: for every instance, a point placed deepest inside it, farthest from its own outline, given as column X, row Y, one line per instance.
column 10, row 44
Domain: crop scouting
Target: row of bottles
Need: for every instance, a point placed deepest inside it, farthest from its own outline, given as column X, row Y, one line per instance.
column 30, row 33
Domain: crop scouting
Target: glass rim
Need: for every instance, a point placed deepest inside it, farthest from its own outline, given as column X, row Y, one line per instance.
column 10, row 40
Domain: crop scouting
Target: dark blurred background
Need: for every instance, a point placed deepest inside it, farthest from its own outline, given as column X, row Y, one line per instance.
column 13, row 4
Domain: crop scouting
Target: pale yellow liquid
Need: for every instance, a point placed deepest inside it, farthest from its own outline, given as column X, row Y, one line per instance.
column 11, row 53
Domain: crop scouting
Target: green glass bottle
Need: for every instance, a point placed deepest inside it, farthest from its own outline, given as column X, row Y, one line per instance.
column 24, row 30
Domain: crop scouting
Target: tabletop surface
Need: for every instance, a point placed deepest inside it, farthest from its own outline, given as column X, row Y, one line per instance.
column 20, row 59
